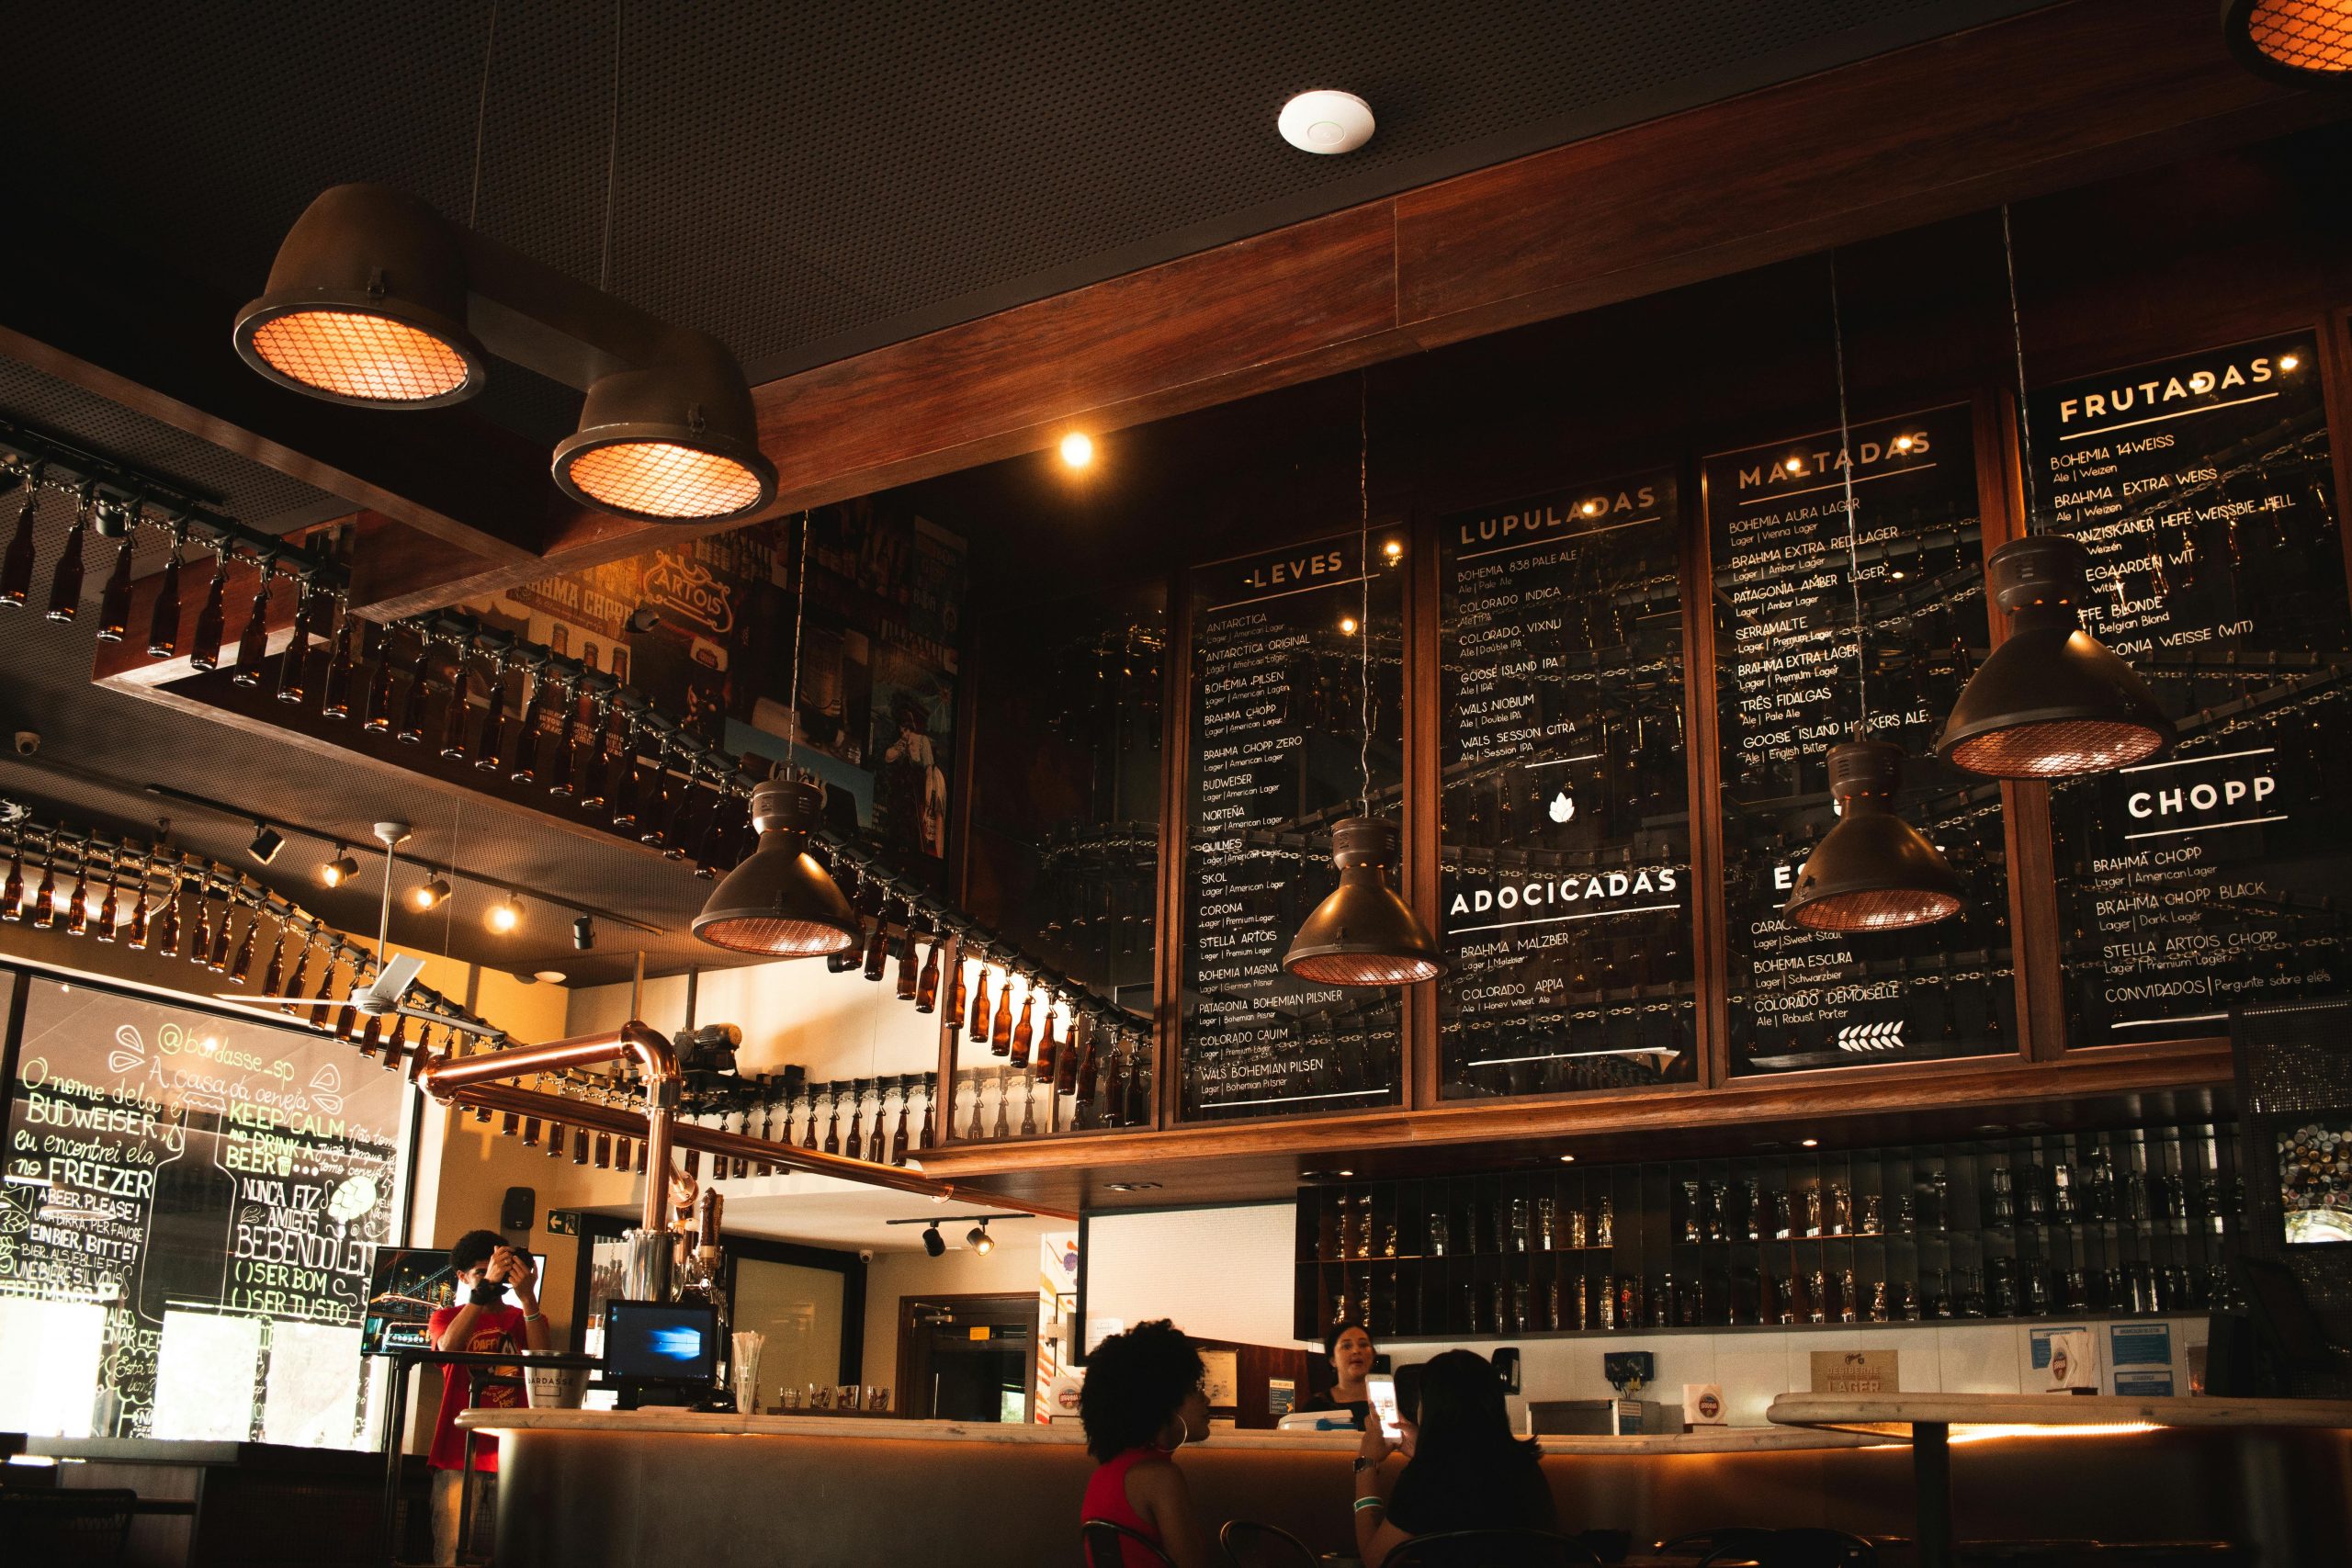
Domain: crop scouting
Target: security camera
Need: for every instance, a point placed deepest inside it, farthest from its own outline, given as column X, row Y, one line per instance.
column 866, row 1255
column 28, row 742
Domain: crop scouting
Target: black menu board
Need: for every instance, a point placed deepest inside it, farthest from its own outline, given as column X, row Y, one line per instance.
column 1785, row 571
column 1278, row 747
column 2217, row 875
column 167, row 1164
column 1566, row 885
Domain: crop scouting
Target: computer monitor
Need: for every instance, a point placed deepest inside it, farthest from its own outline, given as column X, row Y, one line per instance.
column 658, row 1346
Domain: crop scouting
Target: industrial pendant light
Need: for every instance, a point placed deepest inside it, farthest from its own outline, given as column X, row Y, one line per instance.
column 2305, row 42
column 365, row 304
column 1872, row 871
column 1363, row 934
column 2051, row 702
column 677, row 440
column 782, row 901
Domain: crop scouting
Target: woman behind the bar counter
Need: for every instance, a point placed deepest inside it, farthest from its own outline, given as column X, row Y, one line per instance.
column 1463, row 1470
column 1352, row 1354
column 1142, row 1399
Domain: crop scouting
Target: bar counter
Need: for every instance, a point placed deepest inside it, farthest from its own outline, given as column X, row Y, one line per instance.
column 582, row 1488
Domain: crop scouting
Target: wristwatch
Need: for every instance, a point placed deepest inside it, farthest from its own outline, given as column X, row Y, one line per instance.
column 1363, row 1464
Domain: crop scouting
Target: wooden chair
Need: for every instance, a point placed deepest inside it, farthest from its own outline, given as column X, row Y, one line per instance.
column 1106, row 1544
column 1494, row 1548
column 1252, row 1545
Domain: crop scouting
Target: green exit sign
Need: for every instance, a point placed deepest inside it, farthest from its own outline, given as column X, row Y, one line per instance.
column 563, row 1221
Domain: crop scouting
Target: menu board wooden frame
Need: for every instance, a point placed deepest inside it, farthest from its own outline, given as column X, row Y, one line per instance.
column 2039, row 1049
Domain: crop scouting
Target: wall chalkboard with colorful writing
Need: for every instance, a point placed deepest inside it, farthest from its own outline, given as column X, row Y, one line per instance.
column 206, row 1191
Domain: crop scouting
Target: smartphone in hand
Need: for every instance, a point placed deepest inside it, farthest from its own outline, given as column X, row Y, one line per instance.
column 1381, row 1390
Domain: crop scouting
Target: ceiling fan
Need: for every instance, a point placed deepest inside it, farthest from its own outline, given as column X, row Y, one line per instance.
column 395, row 974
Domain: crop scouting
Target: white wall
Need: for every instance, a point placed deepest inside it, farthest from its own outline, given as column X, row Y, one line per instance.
column 837, row 1026
column 1227, row 1274
column 893, row 1276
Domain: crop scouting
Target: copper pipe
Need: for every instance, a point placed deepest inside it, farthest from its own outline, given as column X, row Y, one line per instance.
column 651, row 1052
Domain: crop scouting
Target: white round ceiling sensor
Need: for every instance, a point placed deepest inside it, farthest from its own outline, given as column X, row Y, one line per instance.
column 1325, row 120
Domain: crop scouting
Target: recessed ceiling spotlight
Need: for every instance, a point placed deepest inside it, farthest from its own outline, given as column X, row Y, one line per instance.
column 1325, row 120
column 1078, row 449
column 1567, row 1159
column 1809, row 1143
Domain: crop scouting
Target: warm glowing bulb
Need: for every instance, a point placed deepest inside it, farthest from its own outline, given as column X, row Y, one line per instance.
column 1811, row 1143
column 1590, row 509
column 1347, row 626
column 2289, row 361
column 1393, row 549
column 420, row 898
column 1078, row 449
column 1567, row 1159
column 1903, row 444
column 1794, row 465
column 504, row 916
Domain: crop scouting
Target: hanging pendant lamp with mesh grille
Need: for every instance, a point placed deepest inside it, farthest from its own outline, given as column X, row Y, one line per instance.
column 2052, row 701
column 2306, row 43
column 1872, row 872
column 1363, row 934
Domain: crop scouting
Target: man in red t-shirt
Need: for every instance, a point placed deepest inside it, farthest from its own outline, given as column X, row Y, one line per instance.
column 479, row 1320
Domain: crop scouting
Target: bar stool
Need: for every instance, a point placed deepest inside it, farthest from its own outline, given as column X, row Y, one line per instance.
column 1253, row 1545
column 1107, row 1545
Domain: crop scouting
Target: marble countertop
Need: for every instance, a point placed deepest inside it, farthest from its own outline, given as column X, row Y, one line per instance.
column 1720, row 1440
column 1893, row 1414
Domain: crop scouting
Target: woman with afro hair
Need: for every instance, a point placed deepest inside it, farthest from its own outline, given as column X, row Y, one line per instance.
column 1142, row 1399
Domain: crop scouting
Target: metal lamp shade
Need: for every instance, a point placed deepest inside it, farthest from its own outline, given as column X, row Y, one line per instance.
column 2306, row 43
column 1363, row 934
column 780, row 901
column 2051, row 703
column 677, row 442
column 365, row 305
column 1873, row 871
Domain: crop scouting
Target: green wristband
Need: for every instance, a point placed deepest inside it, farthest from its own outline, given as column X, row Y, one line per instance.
column 1363, row 1503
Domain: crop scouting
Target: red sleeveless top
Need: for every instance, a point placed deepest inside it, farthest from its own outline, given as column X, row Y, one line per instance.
column 1106, row 1498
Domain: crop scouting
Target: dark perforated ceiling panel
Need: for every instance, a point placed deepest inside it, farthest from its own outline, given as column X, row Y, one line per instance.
column 807, row 179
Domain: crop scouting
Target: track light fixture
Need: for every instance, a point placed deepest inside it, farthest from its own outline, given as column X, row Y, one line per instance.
column 266, row 842
column 340, row 870
column 932, row 1242
column 2306, row 43
column 583, row 933
column 978, row 1240
column 375, row 299
column 428, row 894
column 505, row 914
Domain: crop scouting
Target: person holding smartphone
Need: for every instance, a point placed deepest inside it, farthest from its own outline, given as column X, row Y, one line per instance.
column 1465, row 1470
column 481, row 1319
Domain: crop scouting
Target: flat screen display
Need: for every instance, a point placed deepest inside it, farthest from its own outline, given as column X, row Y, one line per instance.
column 658, row 1342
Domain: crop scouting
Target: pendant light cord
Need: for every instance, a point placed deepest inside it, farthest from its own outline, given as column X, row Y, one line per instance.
column 1364, row 567
column 612, row 154
column 481, row 115
column 2017, row 340
column 1853, row 546
column 799, row 620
